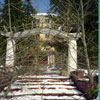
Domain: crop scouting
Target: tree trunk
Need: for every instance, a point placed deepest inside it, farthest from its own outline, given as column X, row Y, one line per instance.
column 85, row 45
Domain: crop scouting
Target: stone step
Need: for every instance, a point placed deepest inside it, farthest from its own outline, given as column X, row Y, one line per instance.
column 37, row 97
column 47, row 87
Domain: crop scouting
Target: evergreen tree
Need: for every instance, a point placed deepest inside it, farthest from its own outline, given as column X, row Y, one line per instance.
column 69, row 18
column 29, row 11
column 20, row 12
column 0, row 13
column 16, row 13
column 2, row 40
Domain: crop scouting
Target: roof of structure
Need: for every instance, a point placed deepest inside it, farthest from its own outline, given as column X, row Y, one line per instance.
column 45, row 14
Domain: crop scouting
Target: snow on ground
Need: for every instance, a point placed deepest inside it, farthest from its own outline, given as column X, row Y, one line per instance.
column 93, row 72
column 45, row 86
column 97, row 98
column 47, row 97
column 43, row 76
column 44, row 82
column 52, row 87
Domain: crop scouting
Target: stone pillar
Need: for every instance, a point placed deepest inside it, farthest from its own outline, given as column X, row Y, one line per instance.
column 72, row 55
column 48, row 60
column 53, row 57
column 10, row 52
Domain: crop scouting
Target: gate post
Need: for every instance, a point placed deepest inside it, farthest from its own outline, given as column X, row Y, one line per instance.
column 72, row 54
column 10, row 49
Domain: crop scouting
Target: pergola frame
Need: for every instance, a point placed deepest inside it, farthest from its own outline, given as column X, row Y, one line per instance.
column 72, row 44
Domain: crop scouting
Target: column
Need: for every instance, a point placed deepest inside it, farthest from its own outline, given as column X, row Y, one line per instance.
column 48, row 60
column 72, row 55
column 53, row 57
column 10, row 52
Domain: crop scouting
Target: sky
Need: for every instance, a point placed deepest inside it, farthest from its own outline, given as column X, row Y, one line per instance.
column 42, row 5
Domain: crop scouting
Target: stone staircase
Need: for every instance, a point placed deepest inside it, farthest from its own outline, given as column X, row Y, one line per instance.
column 44, row 87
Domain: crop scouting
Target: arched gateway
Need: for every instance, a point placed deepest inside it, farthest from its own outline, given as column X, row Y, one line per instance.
column 72, row 44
